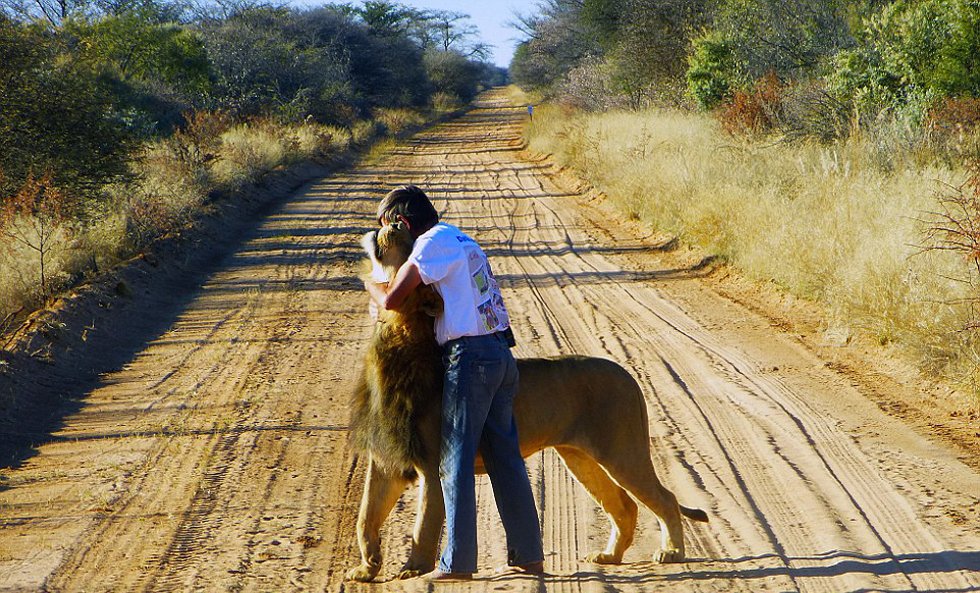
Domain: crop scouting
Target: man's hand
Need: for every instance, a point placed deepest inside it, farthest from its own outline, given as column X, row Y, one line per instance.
column 391, row 296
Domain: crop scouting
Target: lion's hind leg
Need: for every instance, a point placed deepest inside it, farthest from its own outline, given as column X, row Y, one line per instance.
column 639, row 478
column 616, row 503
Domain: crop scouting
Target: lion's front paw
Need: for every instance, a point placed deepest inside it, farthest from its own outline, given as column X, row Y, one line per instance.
column 410, row 573
column 666, row 556
column 603, row 558
column 414, row 569
column 362, row 573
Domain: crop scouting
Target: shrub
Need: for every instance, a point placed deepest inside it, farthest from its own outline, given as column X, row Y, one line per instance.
column 55, row 116
column 754, row 111
column 955, row 228
column 396, row 121
column 711, row 73
column 252, row 149
column 954, row 126
column 911, row 51
column 38, row 219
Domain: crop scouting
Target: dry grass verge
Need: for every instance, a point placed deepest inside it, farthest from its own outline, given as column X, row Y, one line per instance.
column 824, row 221
column 175, row 181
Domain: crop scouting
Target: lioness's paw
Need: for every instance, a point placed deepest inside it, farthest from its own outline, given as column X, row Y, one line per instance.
column 603, row 558
column 667, row 556
column 362, row 573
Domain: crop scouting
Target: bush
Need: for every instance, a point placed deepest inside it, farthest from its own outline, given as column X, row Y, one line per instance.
column 712, row 70
column 397, row 121
column 451, row 73
column 953, row 126
column 911, row 51
column 55, row 116
column 37, row 222
column 754, row 111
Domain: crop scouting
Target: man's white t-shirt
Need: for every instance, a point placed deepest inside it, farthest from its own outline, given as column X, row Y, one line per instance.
column 458, row 269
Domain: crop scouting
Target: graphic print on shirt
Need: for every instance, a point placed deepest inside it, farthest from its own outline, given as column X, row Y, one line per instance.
column 488, row 316
column 481, row 281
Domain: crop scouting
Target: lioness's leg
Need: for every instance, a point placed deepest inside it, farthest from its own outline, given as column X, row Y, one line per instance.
column 428, row 526
column 617, row 504
column 381, row 491
column 639, row 478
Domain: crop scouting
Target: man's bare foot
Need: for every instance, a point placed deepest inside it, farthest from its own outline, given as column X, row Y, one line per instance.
column 532, row 568
column 438, row 576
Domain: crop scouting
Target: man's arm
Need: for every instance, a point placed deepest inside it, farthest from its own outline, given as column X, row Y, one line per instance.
column 406, row 280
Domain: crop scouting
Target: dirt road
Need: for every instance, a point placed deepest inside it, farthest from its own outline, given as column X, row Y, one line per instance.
column 217, row 458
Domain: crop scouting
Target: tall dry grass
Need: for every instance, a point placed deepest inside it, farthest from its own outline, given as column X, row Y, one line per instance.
column 829, row 222
column 173, row 181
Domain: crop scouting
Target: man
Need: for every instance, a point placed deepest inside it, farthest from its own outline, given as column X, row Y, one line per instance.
column 479, row 387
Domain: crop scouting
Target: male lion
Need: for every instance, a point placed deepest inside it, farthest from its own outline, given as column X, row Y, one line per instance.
column 589, row 409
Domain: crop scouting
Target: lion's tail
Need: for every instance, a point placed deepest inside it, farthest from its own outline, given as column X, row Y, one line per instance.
column 694, row 514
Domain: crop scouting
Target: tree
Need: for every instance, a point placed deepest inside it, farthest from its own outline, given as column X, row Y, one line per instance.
column 447, row 30
column 558, row 40
column 55, row 115
column 36, row 218
column 911, row 52
column 452, row 73
column 142, row 44
column 788, row 37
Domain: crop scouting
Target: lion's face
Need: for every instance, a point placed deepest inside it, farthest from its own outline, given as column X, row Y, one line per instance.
column 394, row 245
column 387, row 249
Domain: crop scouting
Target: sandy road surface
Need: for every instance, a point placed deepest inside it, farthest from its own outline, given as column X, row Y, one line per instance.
column 217, row 458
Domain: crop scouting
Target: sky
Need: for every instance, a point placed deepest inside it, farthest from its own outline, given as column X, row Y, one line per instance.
column 490, row 16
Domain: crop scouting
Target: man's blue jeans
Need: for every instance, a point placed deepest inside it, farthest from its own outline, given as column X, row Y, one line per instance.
column 477, row 412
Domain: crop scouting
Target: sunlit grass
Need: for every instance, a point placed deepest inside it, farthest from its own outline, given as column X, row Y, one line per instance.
column 825, row 222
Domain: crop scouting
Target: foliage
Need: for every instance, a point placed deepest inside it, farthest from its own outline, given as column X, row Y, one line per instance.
column 954, row 126
column 754, row 111
column 911, row 51
column 451, row 73
column 713, row 71
column 55, row 116
column 559, row 38
column 259, row 67
column 790, row 37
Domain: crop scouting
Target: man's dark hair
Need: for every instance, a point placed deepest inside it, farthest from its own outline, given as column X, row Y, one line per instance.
column 412, row 203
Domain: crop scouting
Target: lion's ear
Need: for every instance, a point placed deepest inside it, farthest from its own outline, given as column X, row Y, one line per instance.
column 430, row 302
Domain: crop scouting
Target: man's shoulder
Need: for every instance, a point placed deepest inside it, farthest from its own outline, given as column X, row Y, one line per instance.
column 444, row 233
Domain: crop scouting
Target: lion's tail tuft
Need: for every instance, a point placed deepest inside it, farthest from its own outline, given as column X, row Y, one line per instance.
column 695, row 514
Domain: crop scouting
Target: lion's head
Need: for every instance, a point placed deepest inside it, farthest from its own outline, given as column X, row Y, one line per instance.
column 387, row 249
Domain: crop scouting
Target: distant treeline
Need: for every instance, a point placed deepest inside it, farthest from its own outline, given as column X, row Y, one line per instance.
column 84, row 82
column 807, row 67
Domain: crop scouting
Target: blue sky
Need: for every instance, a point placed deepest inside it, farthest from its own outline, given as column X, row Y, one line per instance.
column 491, row 16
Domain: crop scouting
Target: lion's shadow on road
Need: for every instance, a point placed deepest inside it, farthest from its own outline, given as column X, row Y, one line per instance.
column 835, row 564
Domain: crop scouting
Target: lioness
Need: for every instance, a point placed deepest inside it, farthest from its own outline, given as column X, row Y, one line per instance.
column 589, row 409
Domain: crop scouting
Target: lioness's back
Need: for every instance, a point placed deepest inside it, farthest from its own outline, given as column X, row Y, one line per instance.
column 558, row 396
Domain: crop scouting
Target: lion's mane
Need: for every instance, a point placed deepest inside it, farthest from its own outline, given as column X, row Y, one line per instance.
column 401, row 382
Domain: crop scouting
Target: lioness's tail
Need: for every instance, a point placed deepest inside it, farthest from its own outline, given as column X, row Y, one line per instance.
column 694, row 514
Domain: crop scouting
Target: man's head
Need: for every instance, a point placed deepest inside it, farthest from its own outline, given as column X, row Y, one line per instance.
column 410, row 205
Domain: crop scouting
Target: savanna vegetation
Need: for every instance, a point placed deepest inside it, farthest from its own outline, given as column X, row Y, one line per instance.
column 831, row 147
column 122, row 121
